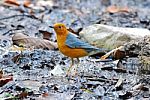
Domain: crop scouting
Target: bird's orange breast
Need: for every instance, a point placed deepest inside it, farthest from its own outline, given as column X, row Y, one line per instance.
column 70, row 52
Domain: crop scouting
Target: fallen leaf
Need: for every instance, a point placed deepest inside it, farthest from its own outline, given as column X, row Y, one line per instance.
column 15, row 59
column 138, row 87
column 118, row 84
column 117, row 53
column 27, row 3
column 115, row 9
column 5, row 79
column 46, row 34
column 12, row 2
column 32, row 42
column 45, row 94
column 145, row 88
column 22, row 95
column 1, row 73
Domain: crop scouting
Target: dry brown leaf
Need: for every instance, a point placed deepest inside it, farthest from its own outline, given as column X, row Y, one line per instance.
column 16, row 3
column 22, row 95
column 32, row 42
column 27, row 3
column 117, row 53
column 1, row 73
column 5, row 79
column 115, row 9
column 46, row 34
column 45, row 94
column 12, row 2
column 15, row 59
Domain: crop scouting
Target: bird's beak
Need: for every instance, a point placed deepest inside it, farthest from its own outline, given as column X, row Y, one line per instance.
column 51, row 26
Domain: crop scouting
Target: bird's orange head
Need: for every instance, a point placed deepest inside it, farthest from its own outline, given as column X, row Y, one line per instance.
column 60, row 29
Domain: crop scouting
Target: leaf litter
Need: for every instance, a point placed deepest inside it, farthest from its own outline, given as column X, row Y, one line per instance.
column 40, row 74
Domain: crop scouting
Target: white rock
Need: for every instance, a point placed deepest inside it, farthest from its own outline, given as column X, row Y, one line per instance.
column 57, row 71
column 111, row 37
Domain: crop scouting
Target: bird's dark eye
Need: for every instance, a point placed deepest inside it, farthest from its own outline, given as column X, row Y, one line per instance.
column 59, row 27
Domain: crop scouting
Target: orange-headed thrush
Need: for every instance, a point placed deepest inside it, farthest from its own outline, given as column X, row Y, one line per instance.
column 71, row 46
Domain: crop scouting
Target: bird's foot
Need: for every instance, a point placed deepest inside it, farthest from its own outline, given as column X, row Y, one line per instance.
column 72, row 72
column 75, row 72
column 68, row 72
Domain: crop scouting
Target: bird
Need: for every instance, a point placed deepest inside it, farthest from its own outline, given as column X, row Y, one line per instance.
column 71, row 46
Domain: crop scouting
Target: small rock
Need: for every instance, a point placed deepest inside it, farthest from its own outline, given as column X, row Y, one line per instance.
column 57, row 70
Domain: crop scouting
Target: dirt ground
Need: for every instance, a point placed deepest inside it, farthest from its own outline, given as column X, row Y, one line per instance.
column 40, row 74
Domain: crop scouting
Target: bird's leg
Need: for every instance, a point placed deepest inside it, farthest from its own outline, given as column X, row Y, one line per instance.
column 78, row 61
column 75, row 69
column 72, row 63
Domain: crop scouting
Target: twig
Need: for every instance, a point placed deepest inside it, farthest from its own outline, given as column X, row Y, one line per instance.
column 101, row 79
column 9, row 31
column 12, row 31
column 30, row 16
